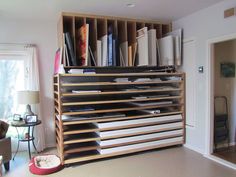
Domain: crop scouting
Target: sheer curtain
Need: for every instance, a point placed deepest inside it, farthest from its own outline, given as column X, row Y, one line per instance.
column 33, row 84
column 28, row 54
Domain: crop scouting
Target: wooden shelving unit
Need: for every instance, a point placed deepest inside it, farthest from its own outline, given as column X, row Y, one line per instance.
column 123, row 29
column 89, row 134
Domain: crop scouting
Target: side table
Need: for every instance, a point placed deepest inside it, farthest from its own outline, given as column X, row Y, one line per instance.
column 26, row 139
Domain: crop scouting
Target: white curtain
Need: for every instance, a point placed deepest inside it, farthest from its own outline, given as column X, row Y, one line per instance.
column 33, row 84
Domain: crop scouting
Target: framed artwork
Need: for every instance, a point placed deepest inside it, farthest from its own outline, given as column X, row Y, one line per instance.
column 227, row 69
column 31, row 119
column 17, row 117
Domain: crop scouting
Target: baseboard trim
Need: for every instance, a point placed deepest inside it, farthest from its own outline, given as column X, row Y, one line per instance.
column 194, row 148
column 212, row 157
column 221, row 161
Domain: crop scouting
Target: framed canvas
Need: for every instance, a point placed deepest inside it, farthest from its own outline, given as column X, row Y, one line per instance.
column 31, row 119
column 227, row 69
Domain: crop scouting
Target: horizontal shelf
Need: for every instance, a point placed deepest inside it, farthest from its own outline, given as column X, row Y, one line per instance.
column 122, row 74
column 119, row 101
column 82, row 147
column 111, row 134
column 138, row 122
column 140, row 145
column 75, row 129
column 121, row 109
column 69, row 94
column 118, row 118
column 135, row 131
column 73, row 132
column 140, row 139
column 117, row 83
column 81, row 140
column 99, row 156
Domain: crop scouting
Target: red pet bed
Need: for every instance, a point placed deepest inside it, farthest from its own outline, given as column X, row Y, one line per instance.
column 45, row 164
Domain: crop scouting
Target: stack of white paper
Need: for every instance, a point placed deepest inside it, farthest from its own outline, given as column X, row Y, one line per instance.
column 177, row 34
column 124, row 54
column 122, row 79
column 99, row 53
column 104, row 51
column 166, row 49
column 152, row 47
column 86, row 91
column 142, row 80
column 142, row 47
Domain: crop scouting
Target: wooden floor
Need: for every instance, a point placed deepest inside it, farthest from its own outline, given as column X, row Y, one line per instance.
column 171, row 162
column 228, row 154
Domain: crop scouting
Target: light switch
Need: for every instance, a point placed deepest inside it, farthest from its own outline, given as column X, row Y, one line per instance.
column 200, row 69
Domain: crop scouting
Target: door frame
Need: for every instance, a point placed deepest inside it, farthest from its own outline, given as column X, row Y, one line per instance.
column 210, row 98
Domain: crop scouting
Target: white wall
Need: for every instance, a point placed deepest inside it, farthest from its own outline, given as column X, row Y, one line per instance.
column 203, row 25
column 226, row 52
column 43, row 34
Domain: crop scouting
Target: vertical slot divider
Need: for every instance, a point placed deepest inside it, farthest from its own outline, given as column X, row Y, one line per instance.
column 92, row 40
column 68, row 27
column 132, row 43
column 79, row 22
column 122, row 42
column 73, row 35
column 139, row 25
column 149, row 26
column 113, row 52
column 158, row 28
column 165, row 29
column 60, row 31
column 102, row 37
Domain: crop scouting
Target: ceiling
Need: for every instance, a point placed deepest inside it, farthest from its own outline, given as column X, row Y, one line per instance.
column 166, row 10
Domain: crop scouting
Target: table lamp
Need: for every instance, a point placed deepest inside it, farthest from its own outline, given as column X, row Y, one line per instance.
column 28, row 97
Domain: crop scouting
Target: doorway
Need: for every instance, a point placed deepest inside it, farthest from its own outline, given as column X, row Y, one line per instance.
column 225, row 100
column 222, row 100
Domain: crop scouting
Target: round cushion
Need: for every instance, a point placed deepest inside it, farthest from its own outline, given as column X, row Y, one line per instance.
column 45, row 164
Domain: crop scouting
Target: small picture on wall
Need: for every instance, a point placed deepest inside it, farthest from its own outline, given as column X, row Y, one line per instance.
column 227, row 69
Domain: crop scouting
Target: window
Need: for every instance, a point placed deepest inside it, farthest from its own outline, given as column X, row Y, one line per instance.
column 13, row 77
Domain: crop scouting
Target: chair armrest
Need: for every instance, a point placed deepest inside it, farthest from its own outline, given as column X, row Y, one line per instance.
column 5, row 149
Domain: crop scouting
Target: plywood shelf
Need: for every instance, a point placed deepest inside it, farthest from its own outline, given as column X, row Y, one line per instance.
column 118, row 118
column 82, row 147
column 73, row 132
column 120, row 101
column 116, row 83
column 120, row 109
column 138, row 74
column 69, row 94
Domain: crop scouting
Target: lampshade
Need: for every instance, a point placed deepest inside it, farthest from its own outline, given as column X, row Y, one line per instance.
column 27, row 97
